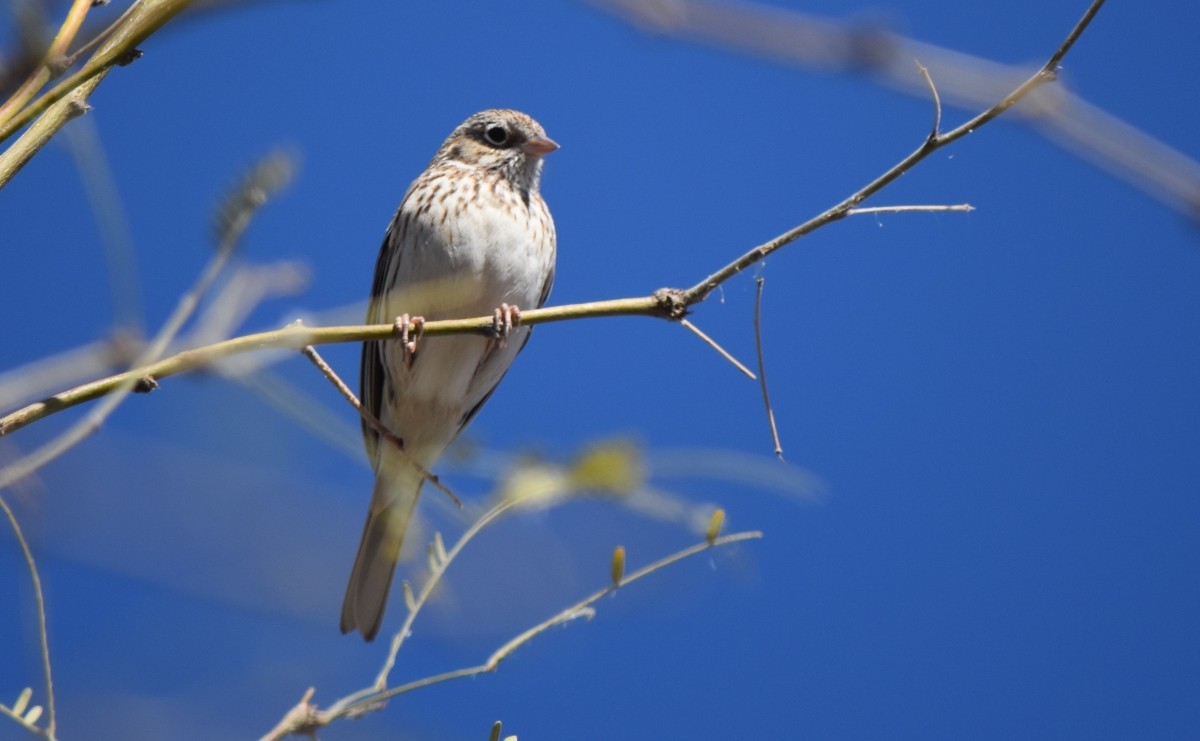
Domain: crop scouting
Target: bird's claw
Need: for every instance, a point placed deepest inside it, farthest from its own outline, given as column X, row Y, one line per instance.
column 409, row 338
column 503, row 320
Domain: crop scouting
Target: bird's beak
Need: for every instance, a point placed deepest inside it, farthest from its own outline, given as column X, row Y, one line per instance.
column 539, row 146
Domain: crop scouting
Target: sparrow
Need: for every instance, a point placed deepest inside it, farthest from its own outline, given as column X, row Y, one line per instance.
column 472, row 237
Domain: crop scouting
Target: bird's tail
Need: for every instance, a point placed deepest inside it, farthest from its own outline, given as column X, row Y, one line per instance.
column 397, row 485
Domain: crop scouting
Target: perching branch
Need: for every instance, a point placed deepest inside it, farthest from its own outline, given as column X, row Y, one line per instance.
column 670, row 304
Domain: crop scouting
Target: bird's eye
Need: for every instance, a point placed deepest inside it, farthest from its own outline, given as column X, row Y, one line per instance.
column 496, row 135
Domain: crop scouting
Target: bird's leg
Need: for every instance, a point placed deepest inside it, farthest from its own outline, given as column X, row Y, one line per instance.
column 503, row 320
column 408, row 340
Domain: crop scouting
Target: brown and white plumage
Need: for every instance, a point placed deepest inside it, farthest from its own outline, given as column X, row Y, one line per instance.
column 471, row 234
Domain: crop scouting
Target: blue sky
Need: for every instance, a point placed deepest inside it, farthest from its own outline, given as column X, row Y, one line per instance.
column 1001, row 407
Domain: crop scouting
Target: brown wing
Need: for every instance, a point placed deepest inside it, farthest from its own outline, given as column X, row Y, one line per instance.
column 371, row 371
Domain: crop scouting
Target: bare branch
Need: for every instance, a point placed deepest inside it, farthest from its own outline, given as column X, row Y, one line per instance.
column 720, row 350
column 326, row 370
column 701, row 290
column 762, row 368
column 583, row 608
column 40, row 601
column 937, row 102
column 959, row 208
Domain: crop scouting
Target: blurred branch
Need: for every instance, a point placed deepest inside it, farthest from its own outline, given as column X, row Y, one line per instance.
column 42, row 376
column 68, row 98
column 51, row 61
column 670, row 304
column 234, row 216
column 964, row 81
column 83, row 143
column 306, row 718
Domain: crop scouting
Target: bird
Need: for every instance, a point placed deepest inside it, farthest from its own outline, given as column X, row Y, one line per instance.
column 472, row 237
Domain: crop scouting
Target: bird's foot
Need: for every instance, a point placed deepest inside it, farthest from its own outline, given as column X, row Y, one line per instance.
column 503, row 320
column 409, row 337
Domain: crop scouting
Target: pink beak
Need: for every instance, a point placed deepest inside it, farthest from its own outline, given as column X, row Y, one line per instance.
column 539, row 146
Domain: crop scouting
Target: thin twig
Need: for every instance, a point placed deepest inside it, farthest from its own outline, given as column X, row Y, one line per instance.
column 104, row 196
column 415, row 605
column 965, row 81
column 579, row 609
column 21, row 721
column 762, row 367
column 311, row 353
column 40, row 601
column 435, row 576
column 722, row 351
column 303, row 409
column 1047, row 73
column 302, row 715
column 937, row 101
column 104, row 33
column 961, row 208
